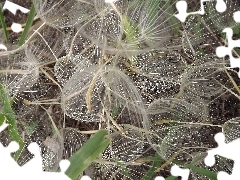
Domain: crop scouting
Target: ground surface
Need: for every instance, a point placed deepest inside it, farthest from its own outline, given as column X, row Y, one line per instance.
column 222, row 108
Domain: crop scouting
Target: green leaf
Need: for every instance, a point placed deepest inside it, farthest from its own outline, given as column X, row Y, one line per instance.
column 5, row 33
column 197, row 158
column 156, row 163
column 172, row 19
column 211, row 175
column 236, row 30
column 171, row 178
column 2, row 118
column 28, row 26
column 11, row 121
column 87, row 154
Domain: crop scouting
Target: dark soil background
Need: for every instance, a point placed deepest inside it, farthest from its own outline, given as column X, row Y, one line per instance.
column 222, row 108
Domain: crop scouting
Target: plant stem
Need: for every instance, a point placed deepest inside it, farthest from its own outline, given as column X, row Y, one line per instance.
column 4, row 27
column 28, row 26
column 11, row 121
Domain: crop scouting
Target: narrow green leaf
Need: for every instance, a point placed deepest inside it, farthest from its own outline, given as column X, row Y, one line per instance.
column 171, row 178
column 172, row 19
column 4, row 27
column 87, row 154
column 28, row 26
column 2, row 118
column 156, row 163
column 11, row 121
column 197, row 158
column 211, row 175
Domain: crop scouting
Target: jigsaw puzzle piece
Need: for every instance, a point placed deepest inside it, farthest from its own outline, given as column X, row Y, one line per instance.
column 177, row 171
column 227, row 150
column 8, row 164
column 181, row 6
column 35, row 164
column 223, row 51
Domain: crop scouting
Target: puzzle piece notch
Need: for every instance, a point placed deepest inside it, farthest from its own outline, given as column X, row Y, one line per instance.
column 227, row 150
column 16, row 27
column 222, row 51
column 3, row 47
column 159, row 178
column 4, row 124
column 5, row 157
column 33, row 168
column 12, row 7
column 181, row 6
column 85, row 177
column 177, row 171
column 236, row 16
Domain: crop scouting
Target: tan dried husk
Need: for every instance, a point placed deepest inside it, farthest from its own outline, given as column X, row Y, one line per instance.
column 64, row 13
column 171, row 122
column 231, row 129
column 118, row 158
column 45, row 45
column 101, row 88
column 17, row 72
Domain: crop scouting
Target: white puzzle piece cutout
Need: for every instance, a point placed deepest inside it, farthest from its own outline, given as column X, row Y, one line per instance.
column 2, row 46
column 227, row 150
column 16, row 27
column 12, row 7
column 159, row 178
column 9, row 168
column 222, row 51
column 177, row 171
column 236, row 16
column 181, row 6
